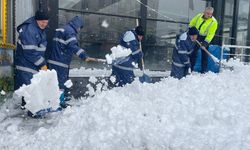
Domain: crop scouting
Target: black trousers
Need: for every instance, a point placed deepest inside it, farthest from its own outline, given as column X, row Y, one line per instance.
column 204, row 56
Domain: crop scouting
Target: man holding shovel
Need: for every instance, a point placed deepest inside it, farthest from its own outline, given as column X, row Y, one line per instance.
column 207, row 26
column 184, row 45
column 65, row 44
column 122, row 68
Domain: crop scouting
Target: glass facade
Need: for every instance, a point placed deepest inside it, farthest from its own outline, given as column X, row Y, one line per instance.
column 242, row 22
column 106, row 20
column 163, row 22
column 166, row 19
column 103, row 24
column 228, row 21
column 240, row 25
column 177, row 10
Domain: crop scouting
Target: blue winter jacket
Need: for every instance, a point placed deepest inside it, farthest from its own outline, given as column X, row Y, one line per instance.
column 31, row 46
column 65, row 44
column 180, row 57
column 123, row 67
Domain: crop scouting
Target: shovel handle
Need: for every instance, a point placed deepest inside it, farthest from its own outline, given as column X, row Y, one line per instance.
column 95, row 59
column 212, row 56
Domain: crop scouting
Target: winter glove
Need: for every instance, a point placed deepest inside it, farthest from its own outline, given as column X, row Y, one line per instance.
column 205, row 44
column 45, row 68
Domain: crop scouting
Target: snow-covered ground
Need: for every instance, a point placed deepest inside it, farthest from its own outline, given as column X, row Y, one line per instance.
column 200, row 112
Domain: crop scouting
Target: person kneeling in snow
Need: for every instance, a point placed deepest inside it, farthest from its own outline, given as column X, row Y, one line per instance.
column 65, row 44
column 122, row 68
column 184, row 46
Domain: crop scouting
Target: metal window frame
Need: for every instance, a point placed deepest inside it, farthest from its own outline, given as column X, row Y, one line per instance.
column 219, row 11
column 4, row 14
column 235, row 23
column 248, row 35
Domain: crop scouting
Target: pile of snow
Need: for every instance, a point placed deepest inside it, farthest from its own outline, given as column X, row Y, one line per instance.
column 200, row 112
column 42, row 93
column 117, row 52
column 96, row 87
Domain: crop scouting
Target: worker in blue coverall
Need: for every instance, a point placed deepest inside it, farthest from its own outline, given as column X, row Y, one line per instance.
column 184, row 46
column 122, row 68
column 30, row 51
column 65, row 44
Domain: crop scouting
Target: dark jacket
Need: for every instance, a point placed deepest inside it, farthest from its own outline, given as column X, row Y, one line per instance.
column 122, row 68
column 180, row 57
column 31, row 46
column 65, row 44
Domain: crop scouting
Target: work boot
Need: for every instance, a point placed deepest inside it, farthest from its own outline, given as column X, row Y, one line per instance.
column 37, row 115
column 23, row 104
column 64, row 105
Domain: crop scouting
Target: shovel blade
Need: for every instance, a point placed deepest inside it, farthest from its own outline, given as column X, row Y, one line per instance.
column 145, row 78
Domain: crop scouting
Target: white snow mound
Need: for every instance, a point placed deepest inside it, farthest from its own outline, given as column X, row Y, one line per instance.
column 117, row 52
column 200, row 112
column 42, row 93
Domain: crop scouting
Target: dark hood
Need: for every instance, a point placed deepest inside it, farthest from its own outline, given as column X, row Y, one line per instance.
column 28, row 21
column 76, row 22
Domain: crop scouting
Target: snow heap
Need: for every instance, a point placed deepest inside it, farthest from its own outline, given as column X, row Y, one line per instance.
column 117, row 52
column 200, row 112
column 42, row 93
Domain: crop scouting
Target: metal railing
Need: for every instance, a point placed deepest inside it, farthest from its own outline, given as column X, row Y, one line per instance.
column 241, row 52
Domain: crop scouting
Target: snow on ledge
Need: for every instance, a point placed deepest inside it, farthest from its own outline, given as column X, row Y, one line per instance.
column 83, row 72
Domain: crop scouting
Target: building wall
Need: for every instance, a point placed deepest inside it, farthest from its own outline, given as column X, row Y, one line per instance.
column 24, row 9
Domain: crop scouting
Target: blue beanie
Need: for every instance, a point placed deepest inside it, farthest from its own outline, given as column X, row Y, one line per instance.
column 139, row 30
column 193, row 31
column 41, row 15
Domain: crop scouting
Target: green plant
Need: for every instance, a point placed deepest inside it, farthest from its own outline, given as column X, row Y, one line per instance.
column 6, row 84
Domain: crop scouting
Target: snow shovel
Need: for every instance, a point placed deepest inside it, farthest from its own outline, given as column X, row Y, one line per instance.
column 144, row 78
column 95, row 60
column 216, row 60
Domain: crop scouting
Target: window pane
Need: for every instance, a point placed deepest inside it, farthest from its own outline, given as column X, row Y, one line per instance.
column 95, row 37
column 160, row 36
column 228, row 21
column 160, row 40
column 242, row 22
column 118, row 7
column 177, row 10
